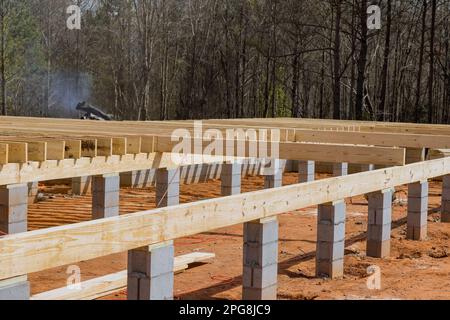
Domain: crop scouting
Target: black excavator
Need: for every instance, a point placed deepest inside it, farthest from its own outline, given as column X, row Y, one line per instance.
column 92, row 113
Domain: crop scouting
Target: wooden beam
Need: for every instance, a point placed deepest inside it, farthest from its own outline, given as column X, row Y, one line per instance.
column 299, row 151
column 134, row 145
column 17, row 152
column 89, row 148
column 373, row 138
column 37, row 151
column 72, row 149
column 103, row 286
column 3, row 153
column 24, row 172
column 119, row 146
column 56, row 150
column 48, row 248
column 104, row 147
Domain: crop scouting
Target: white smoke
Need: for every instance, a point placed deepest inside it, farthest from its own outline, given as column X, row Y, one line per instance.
column 66, row 91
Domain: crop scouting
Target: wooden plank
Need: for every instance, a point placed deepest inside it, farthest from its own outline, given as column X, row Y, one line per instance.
column 343, row 153
column 103, row 286
column 299, row 151
column 374, row 138
column 37, row 151
column 119, row 146
column 55, row 150
column 148, row 144
column 48, row 248
column 134, row 145
column 3, row 153
column 104, row 147
column 13, row 173
column 72, row 149
column 89, row 148
column 17, row 152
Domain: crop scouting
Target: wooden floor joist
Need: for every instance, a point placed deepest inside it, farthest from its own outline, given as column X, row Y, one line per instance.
column 43, row 249
column 307, row 130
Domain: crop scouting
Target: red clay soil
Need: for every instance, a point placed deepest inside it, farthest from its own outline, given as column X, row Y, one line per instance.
column 415, row 270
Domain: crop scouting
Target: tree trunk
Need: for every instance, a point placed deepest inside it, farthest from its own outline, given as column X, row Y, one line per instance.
column 431, row 72
column 362, row 61
column 337, row 62
column 384, row 72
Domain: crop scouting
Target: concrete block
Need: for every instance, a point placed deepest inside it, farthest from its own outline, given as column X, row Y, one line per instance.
column 106, row 199
column 231, row 179
column 13, row 208
column 167, row 187
column 167, row 176
column 105, row 196
column 367, row 167
column 14, row 227
column 380, row 200
column 330, row 247
column 330, row 251
column 333, row 212
column 33, row 190
column 157, row 288
column 306, row 171
column 102, row 213
column 268, row 293
column 271, row 182
column 260, row 259
column 231, row 169
column 81, row 185
column 150, row 273
column 379, row 216
column 378, row 249
column 416, row 233
column 331, row 232
column 417, row 219
column 417, row 204
column 13, row 195
column 13, row 213
column 418, row 189
column 229, row 191
column 257, row 255
column 445, row 204
column 379, row 232
column 260, row 277
column 106, row 183
column 340, row 169
column 446, row 194
column 15, row 291
column 417, row 211
column 333, row 269
column 379, row 224
column 261, row 233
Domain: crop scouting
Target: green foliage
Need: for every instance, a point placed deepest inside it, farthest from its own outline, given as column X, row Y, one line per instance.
column 23, row 51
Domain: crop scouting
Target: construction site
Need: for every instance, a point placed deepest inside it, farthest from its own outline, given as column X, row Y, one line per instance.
column 342, row 210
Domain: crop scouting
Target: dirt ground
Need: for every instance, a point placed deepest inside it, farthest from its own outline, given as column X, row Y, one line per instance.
column 415, row 270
